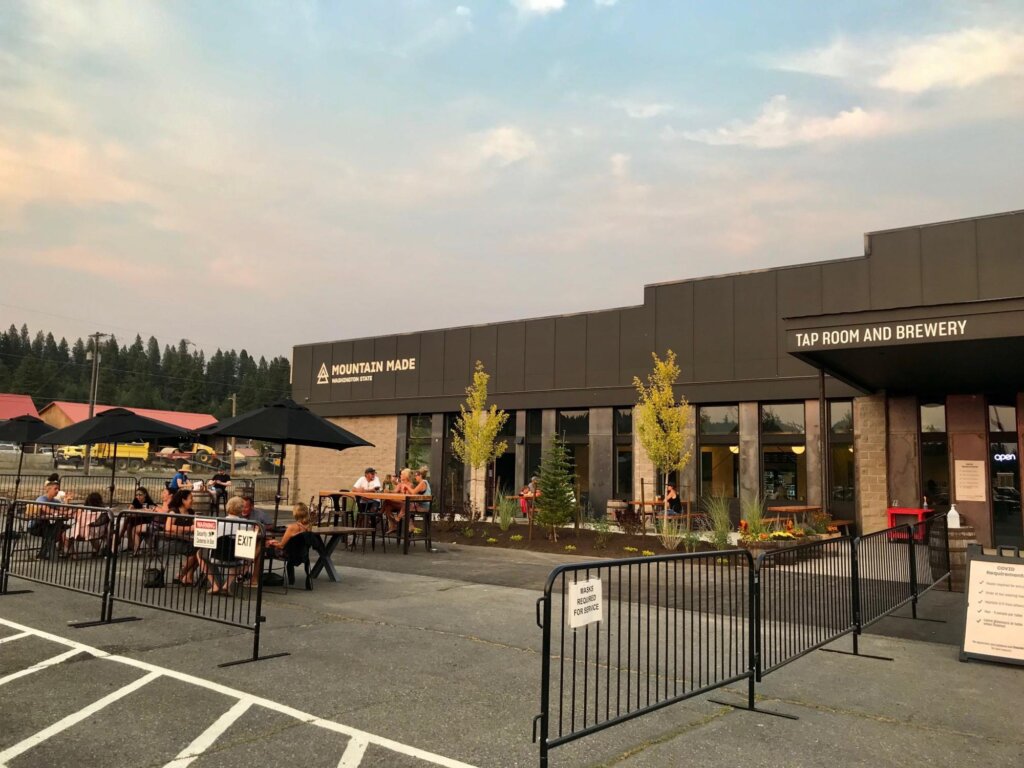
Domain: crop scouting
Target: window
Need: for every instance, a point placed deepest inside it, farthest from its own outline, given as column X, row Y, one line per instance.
column 534, row 431
column 417, row 444
column 841, row 467
column 574, row 426
column 623, row 428
column 1004, row 463
column 718, row 437
column 934, row 457
column 782, row 419
column 453, row 480
column 783, row 459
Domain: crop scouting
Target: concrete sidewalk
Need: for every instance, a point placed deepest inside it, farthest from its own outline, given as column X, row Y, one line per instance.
column 441, row 651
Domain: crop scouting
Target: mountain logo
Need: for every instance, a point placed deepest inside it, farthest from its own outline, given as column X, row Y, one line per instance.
column 323, row 377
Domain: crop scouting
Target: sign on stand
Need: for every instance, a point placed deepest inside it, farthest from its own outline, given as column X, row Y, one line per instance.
column 204, row 533
column 583, row 603
column 245, row 544
column 994, row 629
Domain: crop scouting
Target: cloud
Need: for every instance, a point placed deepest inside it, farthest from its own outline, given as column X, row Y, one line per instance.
column 538, row 7
column 952, row 60
column 619, row 164
column 116, row 269
column 503, row 146
column 642, row 110
column 779, row 126
column 605, row 3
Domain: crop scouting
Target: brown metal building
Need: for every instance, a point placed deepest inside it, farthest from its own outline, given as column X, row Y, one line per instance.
column 917, row 347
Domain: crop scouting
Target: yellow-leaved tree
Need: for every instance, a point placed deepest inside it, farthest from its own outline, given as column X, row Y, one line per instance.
column 659, row 421
column 475, row 436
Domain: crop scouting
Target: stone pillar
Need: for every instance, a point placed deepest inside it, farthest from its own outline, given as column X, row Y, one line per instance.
column 401, row 442
column 548, row 427
column 688, row 477
column 903, row 456
column 750, row 451
column 437, row 437
column 869, row 450
column 812, row 452
column 967, row 429
column 602, row 459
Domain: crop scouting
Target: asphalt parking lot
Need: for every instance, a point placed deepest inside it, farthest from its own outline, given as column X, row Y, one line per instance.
column 434, row 660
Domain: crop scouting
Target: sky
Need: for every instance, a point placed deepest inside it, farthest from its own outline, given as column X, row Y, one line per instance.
column 263, row 174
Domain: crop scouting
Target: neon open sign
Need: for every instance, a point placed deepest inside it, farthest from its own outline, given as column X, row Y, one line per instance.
column 1005, row 457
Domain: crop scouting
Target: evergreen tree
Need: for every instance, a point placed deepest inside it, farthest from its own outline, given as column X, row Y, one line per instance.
column 556, row 504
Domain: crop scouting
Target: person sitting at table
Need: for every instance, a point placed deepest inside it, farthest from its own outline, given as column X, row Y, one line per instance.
column 370, row 483
column 135, row 525
column 421, row 487
column 88, row 525
column 393, row 509
column 180, row 529
column 47, row 520
column 301, row 525
column 227, row 527
column 180, row 480
column 672, row 500
column 218, row 488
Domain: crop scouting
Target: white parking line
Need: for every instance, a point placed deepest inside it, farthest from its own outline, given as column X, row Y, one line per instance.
column 76, row 717
column 205, row 740
column 41, row 665
column 356, row 735
column 353, row 754
column 14, row 637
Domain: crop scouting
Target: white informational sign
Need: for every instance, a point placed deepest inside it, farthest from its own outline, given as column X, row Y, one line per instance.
column 245, row 544
column 995, row 610
column 204, row 533
column 584, row 603
column 969, row 480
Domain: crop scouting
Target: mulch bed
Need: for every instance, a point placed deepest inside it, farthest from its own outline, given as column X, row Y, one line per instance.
column 587, row 542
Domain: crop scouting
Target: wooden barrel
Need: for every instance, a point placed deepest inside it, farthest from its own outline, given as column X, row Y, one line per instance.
column 616, row 508
column 201, row 503
column 959, row 538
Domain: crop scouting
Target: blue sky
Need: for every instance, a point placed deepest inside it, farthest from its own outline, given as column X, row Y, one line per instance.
column 263, row 174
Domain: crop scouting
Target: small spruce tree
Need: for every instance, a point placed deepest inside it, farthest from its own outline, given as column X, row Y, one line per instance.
column 556, row 504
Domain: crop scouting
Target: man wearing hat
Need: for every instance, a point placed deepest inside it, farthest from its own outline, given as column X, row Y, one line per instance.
column 370, row 483
column 180, row 480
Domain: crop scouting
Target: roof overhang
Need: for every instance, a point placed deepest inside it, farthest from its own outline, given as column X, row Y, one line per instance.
column 972, row 347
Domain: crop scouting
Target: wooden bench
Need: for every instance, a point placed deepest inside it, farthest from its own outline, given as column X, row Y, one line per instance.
column 845, row 527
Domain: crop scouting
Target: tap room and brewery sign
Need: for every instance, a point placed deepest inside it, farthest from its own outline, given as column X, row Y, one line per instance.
column 364, row 370
column 878, row 334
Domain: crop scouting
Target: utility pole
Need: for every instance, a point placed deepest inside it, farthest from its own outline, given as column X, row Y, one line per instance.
column 94, row 386
column 233, row 397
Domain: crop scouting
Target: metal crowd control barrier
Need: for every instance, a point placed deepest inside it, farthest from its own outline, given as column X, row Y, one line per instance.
column 805, row 600
column 671, row 627
column 79, row 486
column 90, row 551
column 677, row 626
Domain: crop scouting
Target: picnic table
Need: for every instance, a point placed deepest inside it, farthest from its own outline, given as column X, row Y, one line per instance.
column 659, row 504
column 331, row 535
column 801, row 511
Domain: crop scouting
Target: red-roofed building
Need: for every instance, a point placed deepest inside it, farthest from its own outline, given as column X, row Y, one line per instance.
column 60, row 414
column 12, row 406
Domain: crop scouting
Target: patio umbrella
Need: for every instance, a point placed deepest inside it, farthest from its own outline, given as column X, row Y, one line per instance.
column 23, row 430
column 286, row 422
column 117, row 425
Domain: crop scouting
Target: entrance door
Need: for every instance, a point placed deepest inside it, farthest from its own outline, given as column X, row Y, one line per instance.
column 1004, row 463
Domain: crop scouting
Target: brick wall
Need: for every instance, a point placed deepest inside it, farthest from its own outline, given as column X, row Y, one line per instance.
column 869, row 446
column 314, row 469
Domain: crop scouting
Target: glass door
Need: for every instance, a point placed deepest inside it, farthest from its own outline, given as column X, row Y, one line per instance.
column 1004, row 469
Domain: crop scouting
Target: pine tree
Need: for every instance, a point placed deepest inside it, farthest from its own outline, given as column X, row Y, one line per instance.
column 556, row 504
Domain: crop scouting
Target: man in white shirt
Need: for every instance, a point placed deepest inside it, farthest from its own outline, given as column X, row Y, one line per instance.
column 371, row 483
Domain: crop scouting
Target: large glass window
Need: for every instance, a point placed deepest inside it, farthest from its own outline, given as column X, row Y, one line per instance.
column 534, row 447
column 504, row 479
column 574, row 426
column 1004, row 463
column 934, row 457
column 841, row 468
column 417, row 445
column 453, row 480
column 782, row 419
column 783, row 459
column 718, row 439
column 623, row 428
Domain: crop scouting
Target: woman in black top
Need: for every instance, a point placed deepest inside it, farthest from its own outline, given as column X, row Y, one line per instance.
column 135, row 525
column 675, row 506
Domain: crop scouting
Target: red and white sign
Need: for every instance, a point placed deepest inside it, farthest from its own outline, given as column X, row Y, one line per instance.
column 204, row 533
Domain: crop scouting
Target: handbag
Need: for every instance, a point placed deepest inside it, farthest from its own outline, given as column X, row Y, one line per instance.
column 153, row 575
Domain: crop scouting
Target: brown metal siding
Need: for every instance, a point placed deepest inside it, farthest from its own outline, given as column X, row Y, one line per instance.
column 949, row 263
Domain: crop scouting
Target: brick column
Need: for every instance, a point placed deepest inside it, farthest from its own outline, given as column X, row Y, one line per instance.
column 869, row 451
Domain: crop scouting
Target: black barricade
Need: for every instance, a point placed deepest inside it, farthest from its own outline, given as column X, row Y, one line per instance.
column 671, row 627
column 884, row 577
column 265, row 489
column 156, row 564
column 805, row 600
column 931, row 554
column 62, row 545
column 79, row 486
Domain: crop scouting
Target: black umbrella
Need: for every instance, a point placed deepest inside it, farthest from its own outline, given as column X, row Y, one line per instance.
column 117, row 425
column 23, row 430
column 285, row 421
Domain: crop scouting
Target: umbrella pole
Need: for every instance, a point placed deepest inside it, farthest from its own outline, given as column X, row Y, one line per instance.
column 17, row 478
column 280, row 475
column 113, row 472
